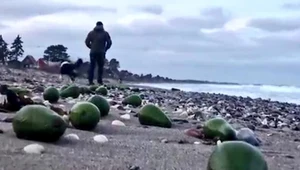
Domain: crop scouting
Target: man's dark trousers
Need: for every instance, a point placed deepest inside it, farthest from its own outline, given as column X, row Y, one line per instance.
column 99, row 59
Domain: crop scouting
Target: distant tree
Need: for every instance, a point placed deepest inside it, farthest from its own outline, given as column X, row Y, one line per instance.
column 16, row 49
column 56, row 53
column 4, row 52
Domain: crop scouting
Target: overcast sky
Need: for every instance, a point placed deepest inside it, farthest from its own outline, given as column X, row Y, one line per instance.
column 235, row 41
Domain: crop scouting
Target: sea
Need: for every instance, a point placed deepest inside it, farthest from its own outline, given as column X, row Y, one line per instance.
column 290, row 94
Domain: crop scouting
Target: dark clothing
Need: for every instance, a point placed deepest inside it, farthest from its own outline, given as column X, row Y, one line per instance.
column 98, row 40
column 99, row 59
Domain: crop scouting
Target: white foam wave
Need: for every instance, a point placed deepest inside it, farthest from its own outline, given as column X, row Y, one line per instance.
column 289, row 94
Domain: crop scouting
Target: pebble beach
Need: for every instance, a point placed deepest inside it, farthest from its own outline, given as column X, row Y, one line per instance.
column 120, row 142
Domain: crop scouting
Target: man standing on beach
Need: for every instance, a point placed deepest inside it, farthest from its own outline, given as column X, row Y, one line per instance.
column 98, row 41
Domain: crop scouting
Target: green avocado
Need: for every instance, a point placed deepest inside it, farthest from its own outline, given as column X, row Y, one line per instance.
column 236, row 155
column 101, row 103
column 51, row 94
column 71, row 91
column 102, row 91
column 151, row 115
column 219, row 128
column 133, row 100
column 84, row 115
column 37, row 122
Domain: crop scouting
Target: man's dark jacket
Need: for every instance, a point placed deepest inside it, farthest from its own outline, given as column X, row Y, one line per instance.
column 98, row 40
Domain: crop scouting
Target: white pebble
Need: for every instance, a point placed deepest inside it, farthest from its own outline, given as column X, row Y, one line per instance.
column 37, row 99
column 100, row 138
column 47, row 103
column 71, row 101
column 184, row 113
column 117, row 123
column 72, row 136
column 34, row 149
column 125, row 116
column 115, row 106
column 66, row 118
column 197, row 142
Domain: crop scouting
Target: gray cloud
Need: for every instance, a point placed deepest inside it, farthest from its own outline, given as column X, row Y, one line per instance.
column 179, row 49
column 275, row 24
column 19, row 9
column 210, row 18
column 291, row 6
column 152, row 9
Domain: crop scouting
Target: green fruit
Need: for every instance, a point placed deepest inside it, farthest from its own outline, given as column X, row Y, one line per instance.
column 64, row 87
column 102, row 91
column 51, row 94
column 219, row 128
column 153, row 116
column 101, row 103
column 37, row 122
column 134, row 100
column 71, row 91
column 84, row 116
column 236, row 155
column 93, row 87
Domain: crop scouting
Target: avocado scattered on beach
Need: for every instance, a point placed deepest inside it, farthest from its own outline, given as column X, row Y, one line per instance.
column 37, row 122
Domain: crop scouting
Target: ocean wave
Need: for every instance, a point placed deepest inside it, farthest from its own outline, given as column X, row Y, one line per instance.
column 289, row 94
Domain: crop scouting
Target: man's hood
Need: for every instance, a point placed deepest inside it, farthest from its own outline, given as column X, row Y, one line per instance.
column 99, row 28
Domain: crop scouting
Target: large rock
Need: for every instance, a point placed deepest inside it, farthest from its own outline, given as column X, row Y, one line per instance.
column 101, row 103
column 84, row 116
column 153, row 116
column 51, row 94
column 37, row 122
column 247, row 135
column 219, row 128
column 133, row 100
column 71, row 91
column 236, row 155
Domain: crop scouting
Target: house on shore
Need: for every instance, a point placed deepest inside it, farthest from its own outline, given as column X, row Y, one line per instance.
column 29, row 62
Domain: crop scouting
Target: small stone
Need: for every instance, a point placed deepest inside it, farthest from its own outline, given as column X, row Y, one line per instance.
column 72, row 136
column 197, row 143
column 37, row 99
column 100, row 138
column 134, row 168
column 117, row 123
column 34, row 149
column 125, row 116
column 73, row 101
column 1, row 131
column 164, row 141
column 47, row 103
column 182, row 141
column 121, row 108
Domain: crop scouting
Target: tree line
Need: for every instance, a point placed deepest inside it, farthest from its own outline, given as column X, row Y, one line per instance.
column 59, row 53
column 14, row 52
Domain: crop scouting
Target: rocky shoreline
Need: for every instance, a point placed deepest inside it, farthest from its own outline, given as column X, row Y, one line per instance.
column 275, row 123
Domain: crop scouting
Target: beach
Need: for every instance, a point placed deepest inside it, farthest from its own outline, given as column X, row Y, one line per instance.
column 134, row 146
